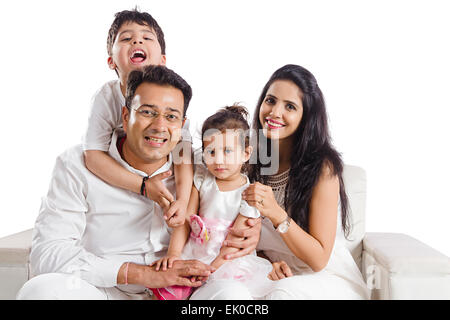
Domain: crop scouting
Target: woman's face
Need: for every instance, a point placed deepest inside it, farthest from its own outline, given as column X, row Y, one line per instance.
column 281, row 110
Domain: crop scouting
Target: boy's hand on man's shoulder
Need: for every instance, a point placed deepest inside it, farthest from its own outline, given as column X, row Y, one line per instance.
column 175, row 214
column 157, row 191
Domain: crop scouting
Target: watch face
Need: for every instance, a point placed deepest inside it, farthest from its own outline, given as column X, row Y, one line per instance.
column 283, row 228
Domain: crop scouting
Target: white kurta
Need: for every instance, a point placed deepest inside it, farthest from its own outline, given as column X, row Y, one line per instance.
column 84, row 224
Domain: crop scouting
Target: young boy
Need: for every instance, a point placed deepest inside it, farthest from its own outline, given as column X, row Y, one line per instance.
column 135, row 40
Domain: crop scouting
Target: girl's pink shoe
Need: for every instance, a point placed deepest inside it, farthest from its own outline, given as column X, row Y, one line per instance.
column 172, row 293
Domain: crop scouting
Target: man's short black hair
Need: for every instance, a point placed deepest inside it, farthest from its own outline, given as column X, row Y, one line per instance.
column 159, row 75
column 142, row 18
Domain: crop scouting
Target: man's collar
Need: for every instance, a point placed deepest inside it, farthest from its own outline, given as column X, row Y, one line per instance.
column 115, row 154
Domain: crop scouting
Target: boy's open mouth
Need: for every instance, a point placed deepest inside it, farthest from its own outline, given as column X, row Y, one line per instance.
column 138, row 56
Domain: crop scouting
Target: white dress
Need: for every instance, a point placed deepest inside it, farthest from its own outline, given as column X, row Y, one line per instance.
column 340, row 279
column 217, row 212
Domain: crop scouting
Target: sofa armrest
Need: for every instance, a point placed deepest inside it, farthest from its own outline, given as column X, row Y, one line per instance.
column 14, row 263
column 397, row 266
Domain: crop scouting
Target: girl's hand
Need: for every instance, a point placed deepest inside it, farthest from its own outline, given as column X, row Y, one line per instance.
column 165, row 262
column 262, row 198
column 280, row 271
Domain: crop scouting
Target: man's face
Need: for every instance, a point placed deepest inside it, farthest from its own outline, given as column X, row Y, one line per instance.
column 153, row 125
column 135, row 47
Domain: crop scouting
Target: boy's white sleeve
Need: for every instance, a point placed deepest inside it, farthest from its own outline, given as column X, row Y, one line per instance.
column 105, row 116
column 56, row 244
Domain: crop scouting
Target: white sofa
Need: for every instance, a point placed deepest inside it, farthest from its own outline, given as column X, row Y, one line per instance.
column 395, row 266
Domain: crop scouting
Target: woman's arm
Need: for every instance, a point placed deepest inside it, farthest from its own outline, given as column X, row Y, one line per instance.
column 314, row 248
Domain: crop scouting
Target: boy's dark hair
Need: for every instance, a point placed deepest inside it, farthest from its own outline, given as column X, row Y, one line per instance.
column 159, row 75
column 142, row 18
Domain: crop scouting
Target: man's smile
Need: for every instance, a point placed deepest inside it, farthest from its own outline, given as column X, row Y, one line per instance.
column 155, row 141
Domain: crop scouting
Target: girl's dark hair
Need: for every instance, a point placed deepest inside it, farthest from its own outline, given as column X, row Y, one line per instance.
column 311, row 151
column 142, row 18
column 230, row 118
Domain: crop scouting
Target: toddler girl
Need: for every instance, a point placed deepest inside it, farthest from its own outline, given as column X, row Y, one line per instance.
column 216, row 197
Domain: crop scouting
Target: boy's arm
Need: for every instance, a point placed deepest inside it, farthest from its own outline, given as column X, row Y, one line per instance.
column 239, row 222
column 184, row 171
column 109, row 170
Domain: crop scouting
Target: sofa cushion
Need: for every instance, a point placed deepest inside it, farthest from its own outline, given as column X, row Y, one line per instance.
column 15, row 249
column 355, row 186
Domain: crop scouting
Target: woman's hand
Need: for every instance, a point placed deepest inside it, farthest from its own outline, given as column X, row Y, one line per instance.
column 262, row 198
column 280, row 271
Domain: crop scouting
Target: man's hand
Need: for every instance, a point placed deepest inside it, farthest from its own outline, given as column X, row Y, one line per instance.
column 244, row 239
column 175, row 215
column 280, row 271
column 157, row 191
column 182, row 273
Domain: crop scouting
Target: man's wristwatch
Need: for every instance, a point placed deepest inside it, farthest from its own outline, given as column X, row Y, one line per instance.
column 284, row 226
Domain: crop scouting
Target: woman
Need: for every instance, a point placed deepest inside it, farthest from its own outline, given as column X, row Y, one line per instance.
column 303, row 201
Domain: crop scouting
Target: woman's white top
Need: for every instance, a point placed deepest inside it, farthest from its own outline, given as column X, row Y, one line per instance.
column 341, row 262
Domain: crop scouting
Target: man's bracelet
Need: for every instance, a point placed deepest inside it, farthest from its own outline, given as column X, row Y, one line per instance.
column 143, row 189
column 126, row 273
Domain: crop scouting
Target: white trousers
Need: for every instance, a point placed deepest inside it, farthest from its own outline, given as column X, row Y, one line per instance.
column 222, row 290
column 58, row 286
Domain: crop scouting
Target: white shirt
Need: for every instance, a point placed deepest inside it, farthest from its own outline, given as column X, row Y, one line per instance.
column 106, row 116
column 88, row 227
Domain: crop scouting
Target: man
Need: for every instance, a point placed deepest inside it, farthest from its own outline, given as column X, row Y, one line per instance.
column 90, row 238
column 95, row 241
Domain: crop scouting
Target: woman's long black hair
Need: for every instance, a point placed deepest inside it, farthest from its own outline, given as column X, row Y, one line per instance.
column 311, row 150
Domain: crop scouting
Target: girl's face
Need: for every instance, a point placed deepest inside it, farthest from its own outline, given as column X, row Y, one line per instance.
column 224, row 155
column 281, row 110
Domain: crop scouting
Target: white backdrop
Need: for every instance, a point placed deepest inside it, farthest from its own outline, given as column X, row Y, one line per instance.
column 383, row 66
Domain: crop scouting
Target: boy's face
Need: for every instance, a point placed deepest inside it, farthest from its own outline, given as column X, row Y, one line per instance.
column 136, row 46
